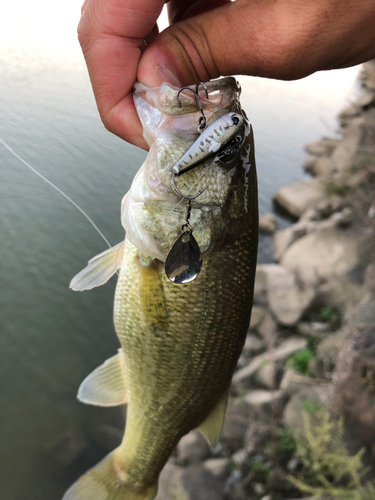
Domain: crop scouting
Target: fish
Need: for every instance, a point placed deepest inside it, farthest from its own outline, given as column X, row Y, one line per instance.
column 179, row 342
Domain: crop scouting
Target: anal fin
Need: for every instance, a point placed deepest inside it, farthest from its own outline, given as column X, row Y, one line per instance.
column 211, row 427
column 99, row 269
column 106, row 385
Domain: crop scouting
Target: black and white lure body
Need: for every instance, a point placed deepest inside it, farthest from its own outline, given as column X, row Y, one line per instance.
column 184, row 260
column 211, row 141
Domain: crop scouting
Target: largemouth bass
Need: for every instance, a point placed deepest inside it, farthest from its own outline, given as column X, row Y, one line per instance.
column 179, row 342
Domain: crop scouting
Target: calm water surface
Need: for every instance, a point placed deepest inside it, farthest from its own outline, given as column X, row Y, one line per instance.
column 51, row 337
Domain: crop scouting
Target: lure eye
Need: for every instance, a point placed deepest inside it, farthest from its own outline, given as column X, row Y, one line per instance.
column 235, row 120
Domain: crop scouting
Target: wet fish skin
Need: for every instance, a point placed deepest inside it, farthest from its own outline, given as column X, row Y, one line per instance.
column 180, row 343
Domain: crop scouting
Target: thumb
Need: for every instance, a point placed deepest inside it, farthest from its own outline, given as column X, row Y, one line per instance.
column 199, row 48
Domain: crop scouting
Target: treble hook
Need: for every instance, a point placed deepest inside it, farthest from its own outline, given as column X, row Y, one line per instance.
column 189, row 198
column 202, row 118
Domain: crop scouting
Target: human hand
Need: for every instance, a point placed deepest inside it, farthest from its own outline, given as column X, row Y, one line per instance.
column 283, row 39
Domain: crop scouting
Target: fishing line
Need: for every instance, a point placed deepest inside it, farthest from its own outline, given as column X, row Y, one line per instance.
column 59, row 191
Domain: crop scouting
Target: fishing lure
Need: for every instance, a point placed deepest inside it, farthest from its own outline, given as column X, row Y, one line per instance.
column 184, row 260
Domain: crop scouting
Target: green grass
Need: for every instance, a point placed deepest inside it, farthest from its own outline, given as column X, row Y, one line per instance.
column 260, row 468
column 329, row 471
column 300, row 360
column 286, row 441
column 312, row 407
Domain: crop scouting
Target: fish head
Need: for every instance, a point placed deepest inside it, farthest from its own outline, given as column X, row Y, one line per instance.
column 152, row 211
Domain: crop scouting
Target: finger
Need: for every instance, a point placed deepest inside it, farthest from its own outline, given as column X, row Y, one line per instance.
column 284, row 39
column 110, row 33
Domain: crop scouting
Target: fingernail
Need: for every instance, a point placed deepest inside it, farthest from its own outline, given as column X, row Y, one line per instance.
column 166, row 75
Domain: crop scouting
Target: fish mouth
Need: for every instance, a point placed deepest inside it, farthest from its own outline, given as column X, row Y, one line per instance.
column 167, row 108
column 166, row 98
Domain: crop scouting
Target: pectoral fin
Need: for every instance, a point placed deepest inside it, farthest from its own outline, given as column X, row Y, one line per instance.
column 211, row 427
column 99, row 269
column 106, row 385
column 152, row 299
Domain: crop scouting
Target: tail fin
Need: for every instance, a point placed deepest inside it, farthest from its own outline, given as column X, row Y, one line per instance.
column 104, row 482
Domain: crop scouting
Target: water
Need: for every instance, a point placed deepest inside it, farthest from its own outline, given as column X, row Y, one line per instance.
column 52, row 337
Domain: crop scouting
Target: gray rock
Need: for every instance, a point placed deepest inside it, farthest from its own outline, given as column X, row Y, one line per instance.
column 298, row 197
column 310, row 215
column 219, row 467
column 354, row 386
column 239, row 457
column 256, row 437
column 267, row 224
column 363, row 314
column 253, row 344
column 322, row 255
column 266, row 375
column 365, row 99
column 237, row 419
column 288, row 298
column 338, row 292
column 367, row 136
column 234, row 487
column 326, row 355
column 343, row 219
column 328, row 206
column 309, row 163
column 358, row 179
column 294, row 382
column 290, row 346
column 285, row 237
column 268, row 330
column 259, row 489
column 166, row 479
column 368, row 75
column 293, row 464
column 316, row 329
column 264, row 401
column 323, row 147
column 195, row 482
column 260, row 296
column 321, row 167
column 192, row 448
column 257, row 314
column 343, row 155
column 348, row 114
column 310, row 400
column 277, row 480
column 369, row 278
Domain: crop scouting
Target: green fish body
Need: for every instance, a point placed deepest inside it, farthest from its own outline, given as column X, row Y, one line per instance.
column 179, row 342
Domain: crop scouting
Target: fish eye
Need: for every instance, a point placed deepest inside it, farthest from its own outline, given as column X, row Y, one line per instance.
column 235, row 120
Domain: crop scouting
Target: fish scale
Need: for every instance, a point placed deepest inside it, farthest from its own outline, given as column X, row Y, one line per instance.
column 215, row 343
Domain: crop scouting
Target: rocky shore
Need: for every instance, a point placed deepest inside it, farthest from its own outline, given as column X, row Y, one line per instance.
column 301, row 414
